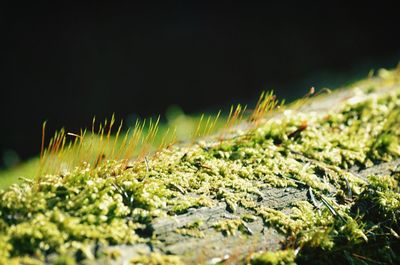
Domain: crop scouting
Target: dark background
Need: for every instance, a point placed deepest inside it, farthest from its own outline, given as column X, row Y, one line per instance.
column 67, row 63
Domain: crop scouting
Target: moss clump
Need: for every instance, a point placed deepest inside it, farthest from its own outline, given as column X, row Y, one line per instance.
column 370, row 236
column 315, row 229
column 156, row 259
column 380, row 201
column 65, row 260
column 282, row 257
column 231, row 227
column 192, row 230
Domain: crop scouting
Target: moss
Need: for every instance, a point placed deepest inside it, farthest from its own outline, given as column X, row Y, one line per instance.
column 192, row 232
column 21, row 260
column 282, row 257
column 380, row 201
column 249, row 218
column 65, row 260
column 112, row 203
column 5, row 247
column 113, row 254
column 192, row 229
column 387, row 144
column 360, row 231
column 228, row 227
column 156, row 259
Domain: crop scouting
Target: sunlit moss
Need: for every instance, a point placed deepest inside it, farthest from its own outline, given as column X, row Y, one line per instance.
column 229, row 227
column 156, row 259
column 116, row 201
column 282, row 257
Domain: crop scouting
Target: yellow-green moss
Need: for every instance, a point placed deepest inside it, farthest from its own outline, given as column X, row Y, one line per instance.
column 156, row 259
column 229, row 227
column 282, row 257
column 114, row 203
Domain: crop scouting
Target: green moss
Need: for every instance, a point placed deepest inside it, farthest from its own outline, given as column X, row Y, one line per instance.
column 65, row 260
column 114, row 204
column 282, row 257
column 229, row 227
column 381, row 201
column 192, row 230
column 5, row 247
column 156, row 259
column 362, row 237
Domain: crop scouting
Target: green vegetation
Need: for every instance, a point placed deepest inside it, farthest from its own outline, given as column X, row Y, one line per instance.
column 87, row 145
column 79, row 203
column 280, row 257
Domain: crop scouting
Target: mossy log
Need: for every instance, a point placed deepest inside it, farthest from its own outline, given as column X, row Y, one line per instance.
column 315, row 182
column 203, row 244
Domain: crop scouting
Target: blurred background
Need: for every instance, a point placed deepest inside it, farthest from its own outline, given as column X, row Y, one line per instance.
column 68, row 63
